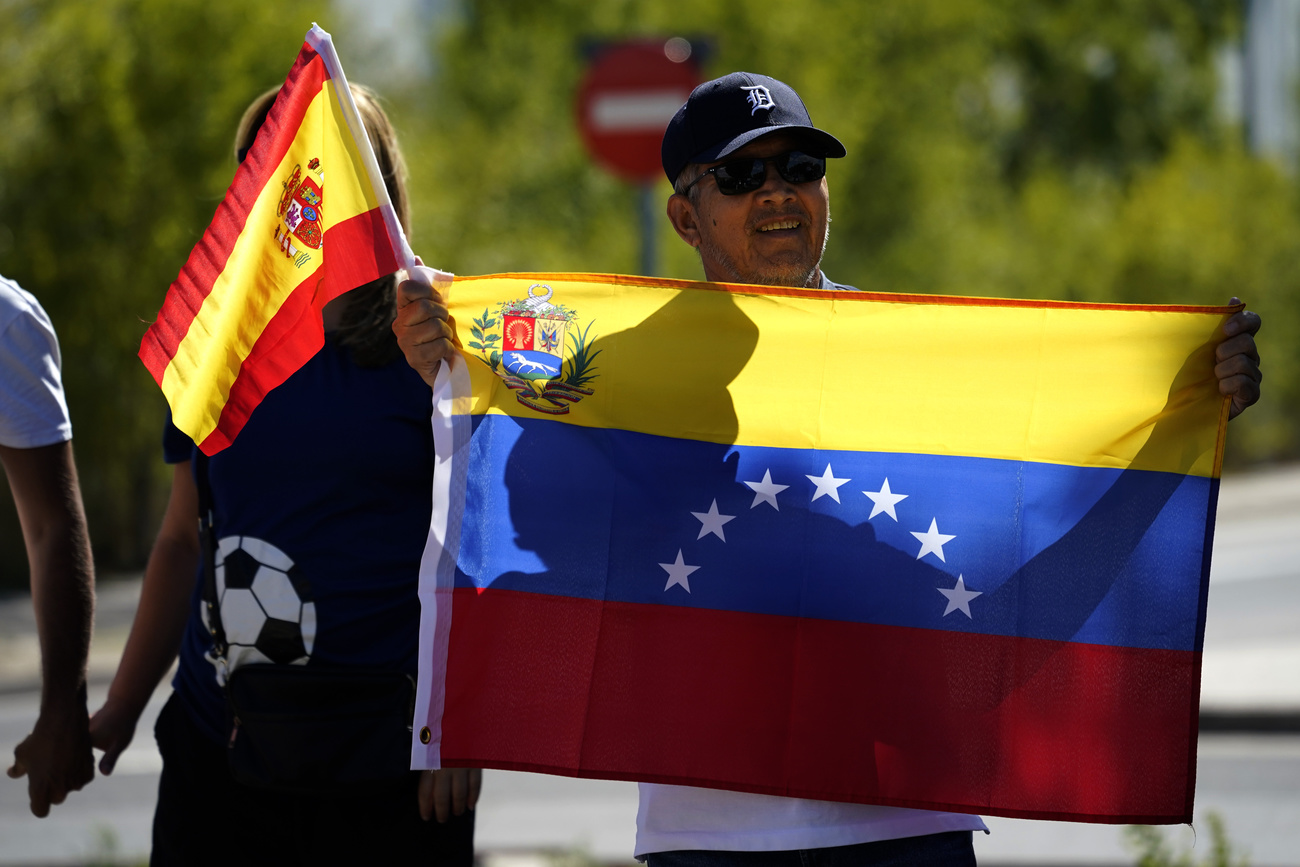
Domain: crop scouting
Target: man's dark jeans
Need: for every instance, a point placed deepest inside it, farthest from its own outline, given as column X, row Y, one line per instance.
column 951, row 849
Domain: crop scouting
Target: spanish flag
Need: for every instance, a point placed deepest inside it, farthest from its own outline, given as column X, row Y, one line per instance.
column 935, row 552
column 306, row 219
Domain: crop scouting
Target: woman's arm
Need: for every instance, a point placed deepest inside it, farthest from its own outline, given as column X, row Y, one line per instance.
column 159, row 621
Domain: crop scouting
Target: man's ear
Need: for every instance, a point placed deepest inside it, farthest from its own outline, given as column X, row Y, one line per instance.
column 685, row 219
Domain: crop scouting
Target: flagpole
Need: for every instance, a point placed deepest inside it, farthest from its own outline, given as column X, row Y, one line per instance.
column 321, row 41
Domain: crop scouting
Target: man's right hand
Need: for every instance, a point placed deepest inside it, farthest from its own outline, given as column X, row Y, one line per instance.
column 425, row 331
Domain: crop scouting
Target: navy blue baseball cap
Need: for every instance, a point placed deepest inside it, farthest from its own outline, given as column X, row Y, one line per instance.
column 727, row 113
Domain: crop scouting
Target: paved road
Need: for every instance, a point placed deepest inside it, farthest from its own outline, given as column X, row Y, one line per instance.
column 1253, row 781
column 1251, row 663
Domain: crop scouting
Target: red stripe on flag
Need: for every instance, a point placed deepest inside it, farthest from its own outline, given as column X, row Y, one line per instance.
column 295, row 333
column 210, row 255
column 369, row 253
column 820, row 709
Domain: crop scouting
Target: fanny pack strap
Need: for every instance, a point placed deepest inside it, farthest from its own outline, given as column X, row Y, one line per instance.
column 208, row 550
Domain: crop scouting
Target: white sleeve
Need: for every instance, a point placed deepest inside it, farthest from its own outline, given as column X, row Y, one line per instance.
column 33, row 411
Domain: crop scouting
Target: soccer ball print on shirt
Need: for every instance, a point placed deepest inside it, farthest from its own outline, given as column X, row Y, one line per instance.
column 266, row 606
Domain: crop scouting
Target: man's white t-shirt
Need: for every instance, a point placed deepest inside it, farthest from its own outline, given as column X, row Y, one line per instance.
column 33, row 411
column 671, row 818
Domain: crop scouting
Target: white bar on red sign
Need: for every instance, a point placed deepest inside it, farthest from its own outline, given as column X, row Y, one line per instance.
column 634, row 110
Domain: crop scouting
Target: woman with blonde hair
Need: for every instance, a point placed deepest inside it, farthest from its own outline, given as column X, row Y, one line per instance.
column 319, row 514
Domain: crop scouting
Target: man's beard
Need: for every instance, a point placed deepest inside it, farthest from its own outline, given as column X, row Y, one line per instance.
column 798, row 275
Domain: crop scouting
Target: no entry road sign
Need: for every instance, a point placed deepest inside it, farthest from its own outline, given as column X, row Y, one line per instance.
column 625, row 100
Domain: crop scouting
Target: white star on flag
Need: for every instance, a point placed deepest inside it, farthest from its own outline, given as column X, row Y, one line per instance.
column 884, row 500
column 959, row 597
column 766, row 491
column 678, row 572
column 932, row 541
column 712, row 522
column 827, row 485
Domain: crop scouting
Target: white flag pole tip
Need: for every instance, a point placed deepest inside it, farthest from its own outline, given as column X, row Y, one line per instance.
column 323, row 44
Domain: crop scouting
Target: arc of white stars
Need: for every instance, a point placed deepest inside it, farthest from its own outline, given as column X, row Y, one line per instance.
column 959, row 597
column 932, row 541
column 712, row 522
column 678, row 573
column 766, row 491
column 884, row 500
column 827, row 485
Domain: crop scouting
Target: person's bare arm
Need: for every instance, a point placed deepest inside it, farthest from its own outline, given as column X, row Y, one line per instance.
column 56, row 756
column 159, row 621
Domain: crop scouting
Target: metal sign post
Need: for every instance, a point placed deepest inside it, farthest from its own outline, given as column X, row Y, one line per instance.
column 627, row 96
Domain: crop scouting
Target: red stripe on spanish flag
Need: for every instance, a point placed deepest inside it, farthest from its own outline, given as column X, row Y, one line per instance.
column 245, row 311
column 268, row 364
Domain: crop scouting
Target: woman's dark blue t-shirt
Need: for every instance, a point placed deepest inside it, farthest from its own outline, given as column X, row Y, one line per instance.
column 328, row 486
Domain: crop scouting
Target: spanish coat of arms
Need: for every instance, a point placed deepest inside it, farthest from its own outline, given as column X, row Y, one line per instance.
column 298, row 228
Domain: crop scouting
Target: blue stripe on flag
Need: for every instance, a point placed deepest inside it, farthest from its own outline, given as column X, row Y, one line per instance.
column 553, row 506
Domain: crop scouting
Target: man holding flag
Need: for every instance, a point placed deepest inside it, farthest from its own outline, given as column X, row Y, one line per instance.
column 750, row 194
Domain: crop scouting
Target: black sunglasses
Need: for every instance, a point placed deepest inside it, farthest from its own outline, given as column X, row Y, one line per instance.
column 746, row 175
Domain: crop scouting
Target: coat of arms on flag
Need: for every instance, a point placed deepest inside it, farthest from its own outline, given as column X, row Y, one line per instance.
column 300, row 212
column 528, row 343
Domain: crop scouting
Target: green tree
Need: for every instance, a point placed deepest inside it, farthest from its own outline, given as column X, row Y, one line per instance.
column 118, row 116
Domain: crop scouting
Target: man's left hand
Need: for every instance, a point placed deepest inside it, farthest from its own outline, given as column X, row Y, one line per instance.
column 1237, row 360
column 55, row 757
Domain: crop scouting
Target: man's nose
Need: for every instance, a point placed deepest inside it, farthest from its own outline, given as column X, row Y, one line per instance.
column 775, row 188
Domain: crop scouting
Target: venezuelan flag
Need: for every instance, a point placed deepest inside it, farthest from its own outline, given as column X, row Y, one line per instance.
column 935, row 552
column 245, row 311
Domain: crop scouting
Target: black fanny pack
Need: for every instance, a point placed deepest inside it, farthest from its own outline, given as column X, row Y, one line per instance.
column 298, row 728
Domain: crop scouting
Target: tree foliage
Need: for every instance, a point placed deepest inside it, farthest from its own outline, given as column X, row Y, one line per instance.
column 118, row 118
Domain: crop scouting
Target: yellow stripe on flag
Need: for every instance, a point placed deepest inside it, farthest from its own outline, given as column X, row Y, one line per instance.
column 1018, row 381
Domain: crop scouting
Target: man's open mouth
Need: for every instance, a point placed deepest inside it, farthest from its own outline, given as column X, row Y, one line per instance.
column 780, row 224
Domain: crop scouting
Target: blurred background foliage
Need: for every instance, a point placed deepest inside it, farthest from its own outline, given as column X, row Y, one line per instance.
column 118, row 118
column 996, row 147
